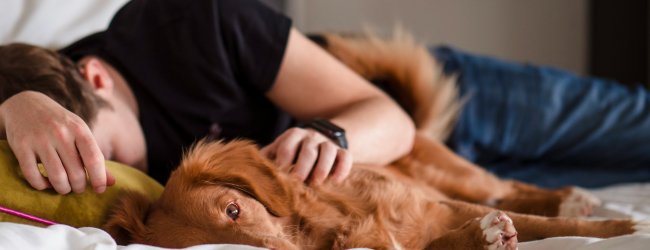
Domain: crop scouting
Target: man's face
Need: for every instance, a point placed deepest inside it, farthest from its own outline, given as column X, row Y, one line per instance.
column 119, row 135
column 116, row 128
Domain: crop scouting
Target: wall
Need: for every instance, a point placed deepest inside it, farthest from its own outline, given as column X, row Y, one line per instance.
column 550, row 32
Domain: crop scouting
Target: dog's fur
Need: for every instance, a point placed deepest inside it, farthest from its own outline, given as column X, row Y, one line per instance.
column 429, row 199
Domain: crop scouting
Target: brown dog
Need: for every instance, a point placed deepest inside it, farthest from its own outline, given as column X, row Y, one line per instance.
column 229, row 193
column 431, row 198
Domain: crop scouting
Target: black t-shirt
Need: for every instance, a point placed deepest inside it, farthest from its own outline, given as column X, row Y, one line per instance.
column 197, row 68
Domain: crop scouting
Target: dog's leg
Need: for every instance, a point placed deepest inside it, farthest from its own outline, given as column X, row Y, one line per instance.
column 565, row 202
column 495, row 231
column 532, row 227
column 432, row 163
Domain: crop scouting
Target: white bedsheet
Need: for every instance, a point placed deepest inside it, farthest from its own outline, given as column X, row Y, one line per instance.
column 61, row 237
column 622, row 201
column 625, row 201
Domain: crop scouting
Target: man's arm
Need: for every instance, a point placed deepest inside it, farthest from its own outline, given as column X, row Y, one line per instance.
column 311, row 83
column 40, row 130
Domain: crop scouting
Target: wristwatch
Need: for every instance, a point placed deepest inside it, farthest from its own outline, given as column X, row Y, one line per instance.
column 329, row 129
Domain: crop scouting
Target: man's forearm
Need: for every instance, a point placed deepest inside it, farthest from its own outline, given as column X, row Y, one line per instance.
column 378, row 131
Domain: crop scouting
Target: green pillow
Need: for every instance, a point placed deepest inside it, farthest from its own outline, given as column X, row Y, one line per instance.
column 87, row 209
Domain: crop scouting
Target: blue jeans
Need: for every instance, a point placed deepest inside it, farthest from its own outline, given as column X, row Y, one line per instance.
column 546, row 126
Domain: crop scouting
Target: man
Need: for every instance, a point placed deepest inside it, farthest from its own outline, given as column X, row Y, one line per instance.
column 173, row 72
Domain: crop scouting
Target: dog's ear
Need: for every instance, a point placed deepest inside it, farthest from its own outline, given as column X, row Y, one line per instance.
column 239, row 165
column 126, row 220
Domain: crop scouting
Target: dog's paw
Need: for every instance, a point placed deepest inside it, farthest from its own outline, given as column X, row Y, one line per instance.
column 641, row 227
column 498, row 231
column 578, row 203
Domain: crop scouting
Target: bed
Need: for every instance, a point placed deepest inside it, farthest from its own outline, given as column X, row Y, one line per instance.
column 623, row 201
column 55, row 23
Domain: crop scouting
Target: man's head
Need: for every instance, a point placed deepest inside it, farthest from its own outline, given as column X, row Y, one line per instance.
column 25, row 67
column 91, row 89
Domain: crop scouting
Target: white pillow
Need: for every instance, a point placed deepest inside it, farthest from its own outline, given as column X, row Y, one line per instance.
column 53, row 23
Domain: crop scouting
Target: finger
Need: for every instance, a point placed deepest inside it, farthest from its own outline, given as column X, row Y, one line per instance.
column 93, row 161
column 73, row 168
column 55, row 172
column 306, row 158
column 288, row 145
column 268, row 151
column 342, row 166
column 110, row 179
column 27, row 162
column 326, row 157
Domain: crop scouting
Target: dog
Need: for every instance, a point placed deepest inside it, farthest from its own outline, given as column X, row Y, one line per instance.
column 227, row 192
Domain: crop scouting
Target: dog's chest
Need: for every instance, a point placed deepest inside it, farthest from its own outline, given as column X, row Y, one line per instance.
column 378, row 205
column 371, row 193
column 383, row 187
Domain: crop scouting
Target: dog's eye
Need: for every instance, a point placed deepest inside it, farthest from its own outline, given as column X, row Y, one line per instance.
column 232, row 210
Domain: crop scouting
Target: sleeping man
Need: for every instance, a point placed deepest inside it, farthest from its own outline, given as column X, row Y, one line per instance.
column 167, row 73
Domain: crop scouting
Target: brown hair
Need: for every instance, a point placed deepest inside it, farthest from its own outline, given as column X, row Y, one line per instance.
column 26, row 67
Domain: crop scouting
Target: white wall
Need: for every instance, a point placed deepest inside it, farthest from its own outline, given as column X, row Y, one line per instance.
column 551, row 32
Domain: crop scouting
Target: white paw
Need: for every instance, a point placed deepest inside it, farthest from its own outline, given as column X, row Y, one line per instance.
column 642, row 227
column 499, row 232
column 580, row 203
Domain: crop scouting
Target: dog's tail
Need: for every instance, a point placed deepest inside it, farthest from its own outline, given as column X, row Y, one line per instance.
column 406, row 71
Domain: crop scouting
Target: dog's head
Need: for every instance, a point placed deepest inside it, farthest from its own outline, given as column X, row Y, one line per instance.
column 221, row 193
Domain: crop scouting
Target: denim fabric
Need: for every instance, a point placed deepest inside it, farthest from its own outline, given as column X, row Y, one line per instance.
column 547, row 126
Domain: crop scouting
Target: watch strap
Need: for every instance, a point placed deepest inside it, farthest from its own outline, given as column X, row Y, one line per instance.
column 331, row 130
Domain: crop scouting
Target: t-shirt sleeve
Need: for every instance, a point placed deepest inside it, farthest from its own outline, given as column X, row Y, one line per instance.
column 255, row 38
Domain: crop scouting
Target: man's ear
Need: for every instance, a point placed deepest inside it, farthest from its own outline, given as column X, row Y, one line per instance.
column 126, row 220
column 95, row 72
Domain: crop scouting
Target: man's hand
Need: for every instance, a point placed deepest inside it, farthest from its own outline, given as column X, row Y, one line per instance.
column 309, row 155
column 40, row 130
